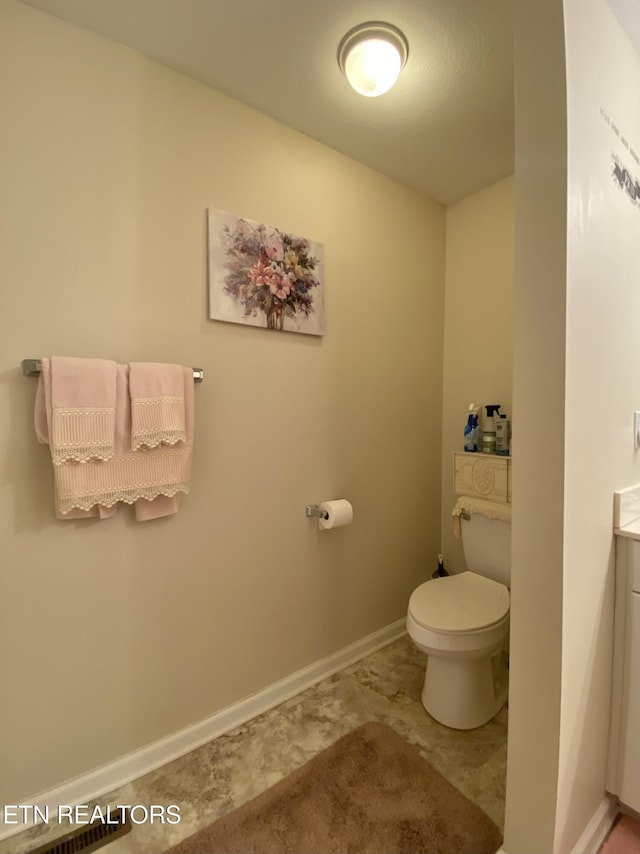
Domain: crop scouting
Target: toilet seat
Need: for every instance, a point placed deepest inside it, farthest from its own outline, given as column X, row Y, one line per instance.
column 461, row 603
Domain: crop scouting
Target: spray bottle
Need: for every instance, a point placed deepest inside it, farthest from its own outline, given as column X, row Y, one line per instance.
column 471, row 430
column 489, row 429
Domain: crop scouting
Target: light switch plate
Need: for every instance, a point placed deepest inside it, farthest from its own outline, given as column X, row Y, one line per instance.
column 636, row 429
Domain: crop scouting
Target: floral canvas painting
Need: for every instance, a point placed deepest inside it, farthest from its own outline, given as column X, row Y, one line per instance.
column 262, row 276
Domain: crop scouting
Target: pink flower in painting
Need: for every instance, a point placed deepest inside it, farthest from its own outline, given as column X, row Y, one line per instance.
column 280, row 286
column 260, row 274
column 274, row 249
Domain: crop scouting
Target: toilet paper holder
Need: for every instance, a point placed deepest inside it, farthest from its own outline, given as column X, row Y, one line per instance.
column 313, row 510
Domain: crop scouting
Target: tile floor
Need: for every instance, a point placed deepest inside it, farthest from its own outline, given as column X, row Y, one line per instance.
column 221, row 775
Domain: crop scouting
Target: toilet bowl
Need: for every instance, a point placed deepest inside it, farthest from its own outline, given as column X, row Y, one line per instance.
column 461, row 622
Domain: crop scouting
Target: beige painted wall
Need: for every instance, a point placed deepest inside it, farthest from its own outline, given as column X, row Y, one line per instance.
column 478, row 326
column 116, row 633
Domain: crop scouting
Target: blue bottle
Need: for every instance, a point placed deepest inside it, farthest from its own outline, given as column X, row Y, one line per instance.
column 471, row 432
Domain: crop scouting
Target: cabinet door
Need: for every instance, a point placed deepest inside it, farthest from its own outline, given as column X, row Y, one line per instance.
column 629, row 755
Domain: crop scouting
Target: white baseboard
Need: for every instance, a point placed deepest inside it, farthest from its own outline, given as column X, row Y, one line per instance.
column 100, row 781
column 594, row 833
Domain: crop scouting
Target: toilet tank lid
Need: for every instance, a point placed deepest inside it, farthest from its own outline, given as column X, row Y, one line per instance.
column 459, row 603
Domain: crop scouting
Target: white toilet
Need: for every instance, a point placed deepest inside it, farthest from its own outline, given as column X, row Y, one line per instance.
column 462, row 622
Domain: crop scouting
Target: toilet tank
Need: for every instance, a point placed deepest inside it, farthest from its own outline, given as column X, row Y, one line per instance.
column 487, row 546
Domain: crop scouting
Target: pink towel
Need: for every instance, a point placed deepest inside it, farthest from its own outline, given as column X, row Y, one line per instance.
column 157, row 404
column 156, row 509
column 162, row 505
column 41, row 416
column 97, row 512
column 83, row 399
column 128, row 475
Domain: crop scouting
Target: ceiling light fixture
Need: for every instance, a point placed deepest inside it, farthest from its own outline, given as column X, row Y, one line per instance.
column 371, row 56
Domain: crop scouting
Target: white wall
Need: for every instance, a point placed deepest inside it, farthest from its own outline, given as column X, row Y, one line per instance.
column 113, row 633
column 576, row 381
column 478, row 326
column 602, row 384
column 538, row 405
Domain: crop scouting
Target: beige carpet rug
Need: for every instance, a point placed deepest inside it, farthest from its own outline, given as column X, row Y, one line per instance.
column 369, row 793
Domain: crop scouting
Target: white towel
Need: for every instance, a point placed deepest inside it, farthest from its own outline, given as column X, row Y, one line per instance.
column 480, row 507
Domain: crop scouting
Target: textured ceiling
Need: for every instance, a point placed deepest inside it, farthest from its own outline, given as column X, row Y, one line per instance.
column 446, row 128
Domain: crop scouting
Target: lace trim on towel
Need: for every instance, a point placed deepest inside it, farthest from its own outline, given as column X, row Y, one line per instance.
column 127, row 477
column 128, row 496
column 156, row 421
column 158, row 437
column 82, row 434
column 99, row 453
column 169, row 400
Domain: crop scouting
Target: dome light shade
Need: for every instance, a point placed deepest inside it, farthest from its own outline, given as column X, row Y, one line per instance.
column 372, row 56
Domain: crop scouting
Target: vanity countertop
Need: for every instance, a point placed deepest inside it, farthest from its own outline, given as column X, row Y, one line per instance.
column 632, row 530
column 626, row 512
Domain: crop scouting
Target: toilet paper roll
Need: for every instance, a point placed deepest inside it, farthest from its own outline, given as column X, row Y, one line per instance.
column 335, row 514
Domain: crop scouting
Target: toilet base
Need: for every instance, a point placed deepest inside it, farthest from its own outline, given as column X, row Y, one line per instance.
column 465, row 693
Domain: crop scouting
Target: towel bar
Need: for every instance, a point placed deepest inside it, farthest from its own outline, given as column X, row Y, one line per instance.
column 32, row 367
